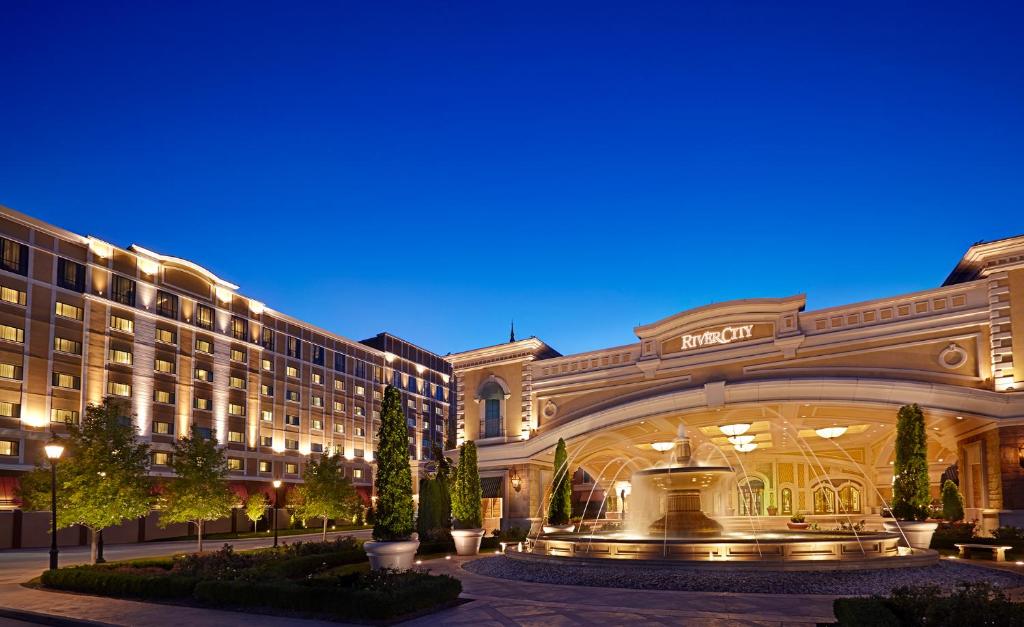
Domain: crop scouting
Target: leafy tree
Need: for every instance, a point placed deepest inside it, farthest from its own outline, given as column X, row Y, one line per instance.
column 910, row 482
column 199, row 491
column 393, row 517
column 560, row 506
column 102, row 478
column 256, row 507
column 952, row 502
column 325, row 492
column 466, row 492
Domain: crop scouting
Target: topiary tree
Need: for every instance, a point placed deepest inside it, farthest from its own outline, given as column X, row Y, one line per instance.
column 102, row 477
column 199, row 492
column 910, row 495
column 952, row 502
column 325, row 492
column 256, row 507
column 466, row 492
column 393, row 516
column 560, row 506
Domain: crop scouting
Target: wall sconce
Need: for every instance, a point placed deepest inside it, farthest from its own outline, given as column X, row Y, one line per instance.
column 517, row 481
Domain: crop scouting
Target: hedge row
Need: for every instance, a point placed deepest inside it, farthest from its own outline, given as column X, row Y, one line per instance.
column 106, row 582
column 308, row 564
column 929, row 606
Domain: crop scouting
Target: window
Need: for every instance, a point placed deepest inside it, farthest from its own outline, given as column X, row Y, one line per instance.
column 11, row 295
column 339, row 407
column 267, row 338
column 60, row 379
column 234, row 464
column 357, row 452
column 492, row 395
column 235, row 409
column 204, row 374
column 318, row 355
column 236, row 382
column 266, row 390
column 267, row 365
column 439, row 393
column 292, row 371
column 204, row 317
column 357, row 473
column 292, row 395
column 291, row 419
column 339, row 362
column 115, row 388
column 377, row 395
column 360, row 369
column 205, row 433
column 291, row 445
column 163, row 396
column 167, row 304
column 122, row 290
column 163, row 365
column 163, row 428
column 236, row 437
column 396, row 379
column 824, row 501
column 14, row 256
column 166, row 336
column 316, row 447
column 339, row 428
column 237, row 355
column 291, row 468
column 161, row 459
column 849, row 499
column 12, row 334
column 412, row 386
column 9, row 448
column 70, row 275
column 411, row 404
column 266, row 415
column 316, row 423
column 339, row 385
column 359, row 411
column 119, row 356
column 411, row 421
column 360, row 432
column 265, row 465
column 316, row 378
column 267, row 440
column 204, row 345
column 318, row 401
column 67, row 416
column 360, row 390
column 65, row 310
column 239, row 328
column 10, row 410
column 202, row 403
column 293, row 348
column 124, row 325
column 64, row 345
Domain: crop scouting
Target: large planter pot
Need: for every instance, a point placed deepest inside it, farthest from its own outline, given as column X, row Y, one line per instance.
column 795, row 526
column 918, row 533
column 467, row 541
column 559, row 528
column 397, row 555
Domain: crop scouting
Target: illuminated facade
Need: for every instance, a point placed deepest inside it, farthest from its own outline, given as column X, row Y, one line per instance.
column 81, row 319
column 809, row 399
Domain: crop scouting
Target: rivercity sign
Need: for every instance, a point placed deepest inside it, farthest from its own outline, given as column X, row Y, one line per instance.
column 726, row 335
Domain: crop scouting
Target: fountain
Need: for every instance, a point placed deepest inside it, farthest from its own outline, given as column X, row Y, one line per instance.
column 668, row 522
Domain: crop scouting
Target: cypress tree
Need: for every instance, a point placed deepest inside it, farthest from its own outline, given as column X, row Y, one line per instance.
column 910, row 482
column 393, row 516
column 560, row 507
column 466, row 494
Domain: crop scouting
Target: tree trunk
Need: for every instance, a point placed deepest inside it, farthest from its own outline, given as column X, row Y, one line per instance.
column 199, row 533
column 93, row 545
column 325, row 529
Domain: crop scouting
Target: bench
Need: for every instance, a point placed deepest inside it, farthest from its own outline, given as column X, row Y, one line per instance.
column 998, row 551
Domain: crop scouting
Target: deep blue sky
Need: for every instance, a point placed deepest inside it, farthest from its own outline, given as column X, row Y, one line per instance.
column 437, row 168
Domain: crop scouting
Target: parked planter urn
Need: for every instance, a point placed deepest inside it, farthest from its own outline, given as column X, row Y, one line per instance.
column 918, row 533
column 559, row 528
column 773, row 511
column 397, row 555
column 795, row 526
column 467, row 541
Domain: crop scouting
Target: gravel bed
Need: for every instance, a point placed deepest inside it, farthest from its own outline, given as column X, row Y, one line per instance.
column 945, row 574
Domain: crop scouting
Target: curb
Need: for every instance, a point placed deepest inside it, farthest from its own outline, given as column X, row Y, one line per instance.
column 49, row 619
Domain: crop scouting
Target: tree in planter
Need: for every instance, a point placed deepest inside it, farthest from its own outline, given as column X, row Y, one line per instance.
column 103, row 476
column 434, row 517
column 952, row 502
column 199, row 492
column 256, row 507
column 910, row 483
column 560, row 506
column 393, row 516
column 466, row 492
column 325, row 492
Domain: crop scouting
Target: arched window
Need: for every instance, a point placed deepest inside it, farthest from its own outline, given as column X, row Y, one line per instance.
column 787, row 501
column 849, row 499
column 492, row 395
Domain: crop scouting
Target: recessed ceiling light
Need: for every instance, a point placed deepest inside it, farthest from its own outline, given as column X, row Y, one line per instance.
column 959, row 417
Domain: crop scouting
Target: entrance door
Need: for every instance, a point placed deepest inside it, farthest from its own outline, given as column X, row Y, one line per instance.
column 752, row 498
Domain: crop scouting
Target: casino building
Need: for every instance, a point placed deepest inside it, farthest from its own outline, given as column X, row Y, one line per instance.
column 817, row 392
column 82, row 319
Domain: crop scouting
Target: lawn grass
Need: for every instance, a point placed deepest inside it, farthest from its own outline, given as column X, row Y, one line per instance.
column 242, row 535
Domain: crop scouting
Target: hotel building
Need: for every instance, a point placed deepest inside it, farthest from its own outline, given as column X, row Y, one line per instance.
column 82, row 319
column 815, row 393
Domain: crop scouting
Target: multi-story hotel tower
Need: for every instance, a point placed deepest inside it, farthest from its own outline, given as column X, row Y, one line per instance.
column 82, row 319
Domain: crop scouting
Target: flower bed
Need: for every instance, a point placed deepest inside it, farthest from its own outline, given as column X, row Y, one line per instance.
column 300, row 577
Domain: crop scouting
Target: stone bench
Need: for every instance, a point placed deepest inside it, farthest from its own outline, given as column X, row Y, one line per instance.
column 998, row 551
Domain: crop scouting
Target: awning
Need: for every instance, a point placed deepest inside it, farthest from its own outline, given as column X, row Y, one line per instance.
column 9, row 492
column 491, row 487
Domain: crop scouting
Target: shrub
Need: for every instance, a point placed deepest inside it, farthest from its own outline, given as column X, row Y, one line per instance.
column 910, row 496
column 797, row 517
column 113, row 583
column 860, row 611
column 1008, row 534
column 970, row 604
column 950, row 533
column 952, row 502
column 433, row 519
column 560, row 507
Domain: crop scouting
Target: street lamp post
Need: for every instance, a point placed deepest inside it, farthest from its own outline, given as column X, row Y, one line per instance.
column 277, row 501
column 54, row 449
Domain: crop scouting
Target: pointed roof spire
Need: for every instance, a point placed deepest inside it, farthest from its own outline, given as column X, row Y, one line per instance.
column 512, row 333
